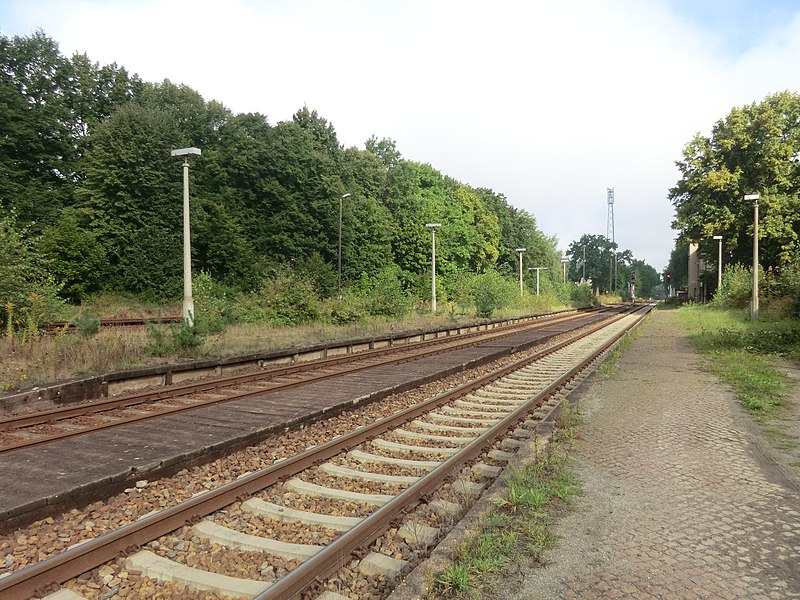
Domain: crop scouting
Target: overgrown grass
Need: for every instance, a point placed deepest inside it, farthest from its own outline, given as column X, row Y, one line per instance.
column 738, row 351
column 519, row 526
column 41, row 359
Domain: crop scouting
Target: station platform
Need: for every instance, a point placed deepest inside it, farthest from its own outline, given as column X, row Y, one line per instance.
column 683, row 495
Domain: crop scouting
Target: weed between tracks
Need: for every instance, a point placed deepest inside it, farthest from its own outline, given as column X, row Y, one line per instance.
column 520, row 527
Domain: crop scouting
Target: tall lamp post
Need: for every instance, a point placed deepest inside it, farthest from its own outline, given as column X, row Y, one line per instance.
column 188, row 302
column 339, row 279
column 583, row 279
column 564, row 263
column 520, row 250
column 754, row 303
column 432, row 227
column 719, row 262
column 537, row 269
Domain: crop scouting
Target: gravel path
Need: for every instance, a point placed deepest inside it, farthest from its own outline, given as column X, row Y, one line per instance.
column 684, row 496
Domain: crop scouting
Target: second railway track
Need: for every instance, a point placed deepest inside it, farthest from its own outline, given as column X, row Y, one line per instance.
column 45, row 426
column 394, row 466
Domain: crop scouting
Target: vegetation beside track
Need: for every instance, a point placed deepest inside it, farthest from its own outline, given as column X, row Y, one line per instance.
column 741, row 352
column 520, row 526
column 37, row 359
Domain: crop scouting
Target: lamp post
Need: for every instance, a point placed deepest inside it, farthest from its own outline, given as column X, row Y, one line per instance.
column 537, row 269
column 719, row 262
column 583, row 279
column 432, row 227
column 339, row 279
column 188, row 301
column 754, row 303
column 564, row 263
column 520, row 250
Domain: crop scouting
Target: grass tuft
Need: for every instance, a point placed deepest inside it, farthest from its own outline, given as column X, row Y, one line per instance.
column 520, row 526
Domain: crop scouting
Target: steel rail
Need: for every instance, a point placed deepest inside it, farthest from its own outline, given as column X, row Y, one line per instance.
column 339, row 552
column 93, row 553
column 359, row 366
column 62, row 413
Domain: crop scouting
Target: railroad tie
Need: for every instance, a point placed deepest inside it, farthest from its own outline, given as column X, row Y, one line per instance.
column 257, row 506
column 151, row 565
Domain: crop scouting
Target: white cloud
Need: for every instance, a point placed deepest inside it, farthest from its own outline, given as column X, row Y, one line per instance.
column 549, row 103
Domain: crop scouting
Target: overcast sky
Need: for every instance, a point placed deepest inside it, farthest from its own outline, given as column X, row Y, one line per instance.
column 548, row 102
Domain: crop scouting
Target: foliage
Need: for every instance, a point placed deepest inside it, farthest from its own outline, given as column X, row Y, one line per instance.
column 85, row 158
column 737, row 287
column 180, row 339
column 88, row 324
column 383, row 294
column 752, row 150
column 213, row 310
column 28, row 294
column 594, row 257
column 581, row 295
column 74, row 256
column 491, row 291
column 283, row 299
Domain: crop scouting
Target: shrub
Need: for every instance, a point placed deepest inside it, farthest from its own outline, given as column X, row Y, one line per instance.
column 88, row 324
column 383, row 294
column 29, row 297
column 736, row 289
column 180, row 338
column 213, row 309
column 491, row 291
column 284, row 299
column 582, row 295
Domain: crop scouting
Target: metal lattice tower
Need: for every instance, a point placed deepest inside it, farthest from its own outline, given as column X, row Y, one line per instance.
column 612, row 275
column 610, row 231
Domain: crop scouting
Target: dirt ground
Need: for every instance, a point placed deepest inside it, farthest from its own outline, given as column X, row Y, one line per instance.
column 686, row 495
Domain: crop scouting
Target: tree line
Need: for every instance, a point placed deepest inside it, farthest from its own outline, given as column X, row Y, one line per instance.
column 91, row 198
column 754, row 149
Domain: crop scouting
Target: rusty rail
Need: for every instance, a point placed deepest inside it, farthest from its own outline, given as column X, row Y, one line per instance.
column 148, row 397
column 91, row 554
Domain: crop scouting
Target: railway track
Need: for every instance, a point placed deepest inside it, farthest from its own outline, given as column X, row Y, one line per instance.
column 425, row 462
column 42, row 427
column 70, row 327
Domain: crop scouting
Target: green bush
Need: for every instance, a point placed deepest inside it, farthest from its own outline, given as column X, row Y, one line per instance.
column 213, row 309
column 383, row 294
column 491, row 291
column 582, row 295
column 181, row 339
column 29, row 296
column 284, row 299
column 786, row 285
column 88, row 324
column 350, row 309
column 736, row 289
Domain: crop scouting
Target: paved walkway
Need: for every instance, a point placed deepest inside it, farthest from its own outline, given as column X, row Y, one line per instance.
column 678, row 502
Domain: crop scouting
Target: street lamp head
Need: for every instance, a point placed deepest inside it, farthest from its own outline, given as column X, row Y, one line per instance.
column 520, row 250
column 187, row 152
column 752, row 197
column 433, row 225
column 717, row 237
column 347, row 195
